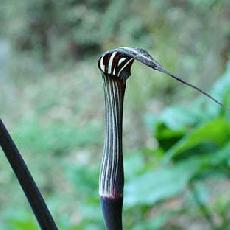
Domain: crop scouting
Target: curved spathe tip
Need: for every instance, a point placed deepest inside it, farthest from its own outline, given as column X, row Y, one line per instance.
column 117, row 63
column 137, row 54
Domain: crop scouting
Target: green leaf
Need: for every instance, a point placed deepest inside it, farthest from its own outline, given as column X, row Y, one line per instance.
column 223, row 155
column 167, row 137
column 160, row 184
column 214, row 133
column 212, row 164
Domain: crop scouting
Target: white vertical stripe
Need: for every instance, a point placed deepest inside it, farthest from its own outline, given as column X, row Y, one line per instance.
column 118, row 127
column 102, row 66
column 111, row 62
column 109, row 141
column 124, row 67
column 120, row 61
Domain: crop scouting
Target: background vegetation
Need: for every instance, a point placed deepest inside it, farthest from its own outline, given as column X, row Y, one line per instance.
column 176, row 142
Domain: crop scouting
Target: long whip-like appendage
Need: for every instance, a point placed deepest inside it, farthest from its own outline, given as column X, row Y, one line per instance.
column 190, row 85
column 26, row 181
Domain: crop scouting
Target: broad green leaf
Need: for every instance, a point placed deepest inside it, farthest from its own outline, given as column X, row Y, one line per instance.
column 213, row 164
column 160, row 184
column 216, row 133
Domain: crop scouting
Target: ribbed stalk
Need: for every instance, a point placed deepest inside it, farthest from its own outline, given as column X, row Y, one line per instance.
column 111, row 181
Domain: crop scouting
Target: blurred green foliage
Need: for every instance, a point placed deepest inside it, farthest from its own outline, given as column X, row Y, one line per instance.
column 177, row 161
column 194, row 148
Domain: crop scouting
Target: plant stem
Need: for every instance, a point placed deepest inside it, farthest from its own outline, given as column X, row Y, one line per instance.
column 111, row 181
column 26, row 181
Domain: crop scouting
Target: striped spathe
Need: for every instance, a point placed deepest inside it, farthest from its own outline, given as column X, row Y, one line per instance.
column 115, row 64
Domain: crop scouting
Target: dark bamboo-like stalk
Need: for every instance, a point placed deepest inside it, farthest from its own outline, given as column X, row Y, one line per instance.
column 112, row 174
column 26, row 181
